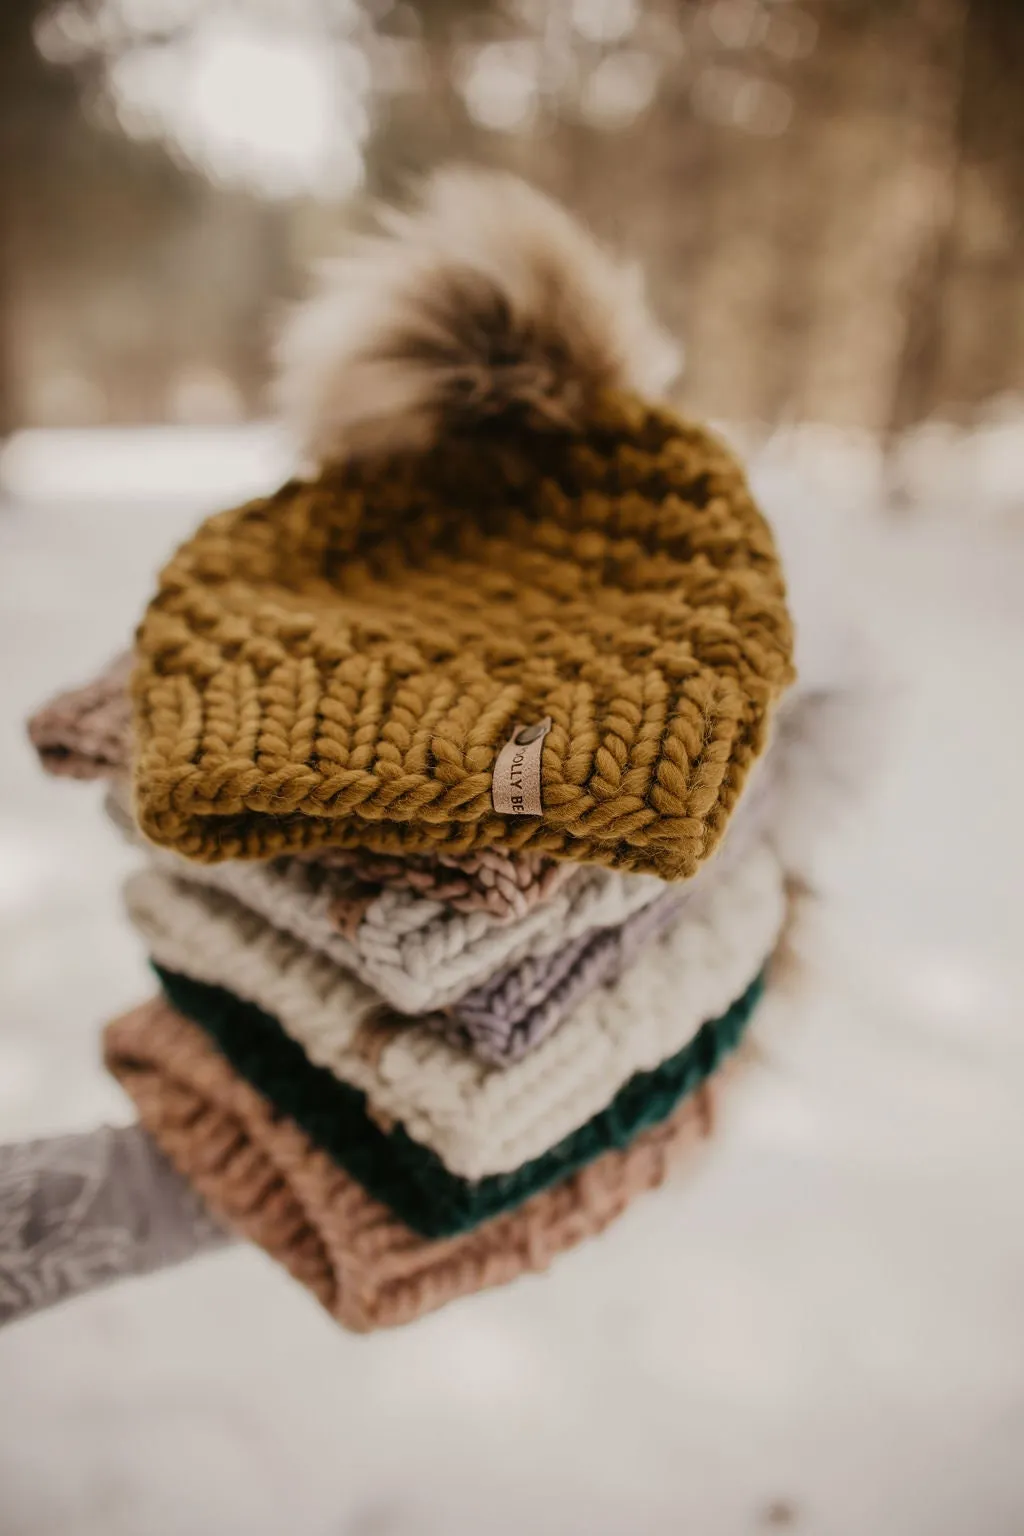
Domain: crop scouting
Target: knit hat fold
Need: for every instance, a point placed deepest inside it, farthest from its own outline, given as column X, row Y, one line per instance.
column 395, row 1168
column 340, row 664
column 479, row 1119
column 262, row 1176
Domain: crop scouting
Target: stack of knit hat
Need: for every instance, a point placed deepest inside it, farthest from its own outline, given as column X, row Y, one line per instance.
column 459, row 763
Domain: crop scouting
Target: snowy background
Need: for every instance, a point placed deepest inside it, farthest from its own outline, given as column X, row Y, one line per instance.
column 821, row 1331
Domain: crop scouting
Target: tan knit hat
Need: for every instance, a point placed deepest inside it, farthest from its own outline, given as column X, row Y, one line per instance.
column 518, row 606
column 262, row 1176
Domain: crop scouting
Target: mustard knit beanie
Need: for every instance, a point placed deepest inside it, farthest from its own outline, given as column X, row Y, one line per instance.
column 514, row 604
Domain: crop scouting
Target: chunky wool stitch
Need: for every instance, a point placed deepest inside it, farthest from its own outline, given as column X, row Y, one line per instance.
column 505, row 886
column 535, row 972
column 520, row 1006
column 500, row 531
column 501, row 1018
column 520, row 1003
column 479, row 1119
column 416, row 954
column 406, row 1177
column 420, row 956
column 84, row 732
column 824, row 751
column 262, row 1176
column 341, row 662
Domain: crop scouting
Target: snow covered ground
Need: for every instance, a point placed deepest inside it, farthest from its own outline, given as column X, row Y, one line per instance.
column 823, row 1331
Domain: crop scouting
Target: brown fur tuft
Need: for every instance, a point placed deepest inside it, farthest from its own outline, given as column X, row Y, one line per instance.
column 485, row 299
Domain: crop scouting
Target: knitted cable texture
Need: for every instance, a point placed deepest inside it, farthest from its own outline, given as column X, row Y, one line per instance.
column 85, row 733
column 405, row 1176
column 260, row 1175
column 341, row 662
column 479, row 1119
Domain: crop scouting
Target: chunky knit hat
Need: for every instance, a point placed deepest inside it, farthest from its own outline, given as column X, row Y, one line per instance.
column 517, row 605
column 264, row 1177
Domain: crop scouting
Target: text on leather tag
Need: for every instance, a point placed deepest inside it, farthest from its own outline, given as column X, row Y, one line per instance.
column 515, row 786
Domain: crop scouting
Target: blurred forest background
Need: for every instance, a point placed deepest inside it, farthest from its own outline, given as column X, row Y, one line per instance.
column 828, row 194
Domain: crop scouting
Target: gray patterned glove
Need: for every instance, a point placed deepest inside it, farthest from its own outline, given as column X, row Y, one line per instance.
column 79, row 1211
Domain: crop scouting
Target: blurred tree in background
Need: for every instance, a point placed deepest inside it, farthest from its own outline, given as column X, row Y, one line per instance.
column 827, row 194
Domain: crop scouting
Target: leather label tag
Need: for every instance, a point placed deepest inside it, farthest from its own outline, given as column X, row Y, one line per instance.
column 515, row 787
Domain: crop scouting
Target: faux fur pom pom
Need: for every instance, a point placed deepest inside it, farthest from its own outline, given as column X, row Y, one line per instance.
column 485, row 298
